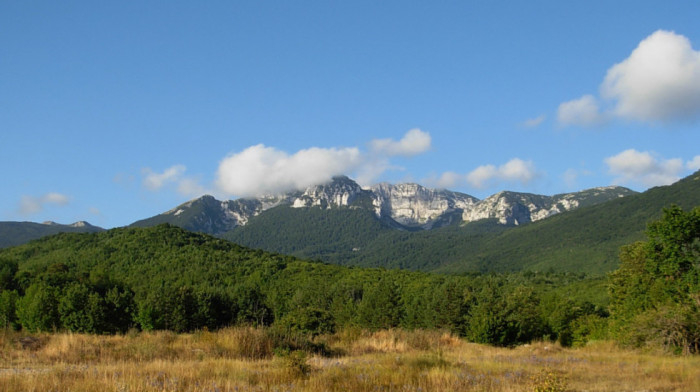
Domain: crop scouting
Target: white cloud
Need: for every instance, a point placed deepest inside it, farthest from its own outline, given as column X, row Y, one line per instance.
column 155, row 181
column 583, row 112
column 29, row 205
column 186, row 186
column 659, row 81
column 693, row 164
column 413, row 143
column 261, row 170
column 534, row 122
column 632, row 166
column 515, row 170
column 449, row 180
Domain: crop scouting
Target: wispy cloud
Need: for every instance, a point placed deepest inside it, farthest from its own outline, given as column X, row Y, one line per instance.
column 174, row 175
column 29, row 205
column 414, row 142
column 533, row 122
column 583, row 111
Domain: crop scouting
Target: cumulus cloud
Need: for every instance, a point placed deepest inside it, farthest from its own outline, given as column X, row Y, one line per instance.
column 186, row 186
column 659, row 81
column 29, row 205
column 515, row 170
column 533, row 122
column 584, row 111
column 261, row 170
column 413, row 143
column 635, row 167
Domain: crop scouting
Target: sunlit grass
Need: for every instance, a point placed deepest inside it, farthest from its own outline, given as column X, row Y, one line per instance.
column 244, row 359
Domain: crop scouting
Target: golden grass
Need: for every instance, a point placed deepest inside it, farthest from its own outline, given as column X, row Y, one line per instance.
column 241, row 359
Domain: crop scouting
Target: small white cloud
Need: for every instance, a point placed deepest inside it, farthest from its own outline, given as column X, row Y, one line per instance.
column 94, row 211
column 155, row 181
column 515, row 170
column 582, row 112
column 185, row 186
column 659, row 81
column 413, row 143
column 29, row 205
column 446, row 180
column 533, row 122
column 632, row 166
column 261, row 170
column 693, row 164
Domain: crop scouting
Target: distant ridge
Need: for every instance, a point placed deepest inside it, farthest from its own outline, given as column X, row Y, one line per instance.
column 17, row 233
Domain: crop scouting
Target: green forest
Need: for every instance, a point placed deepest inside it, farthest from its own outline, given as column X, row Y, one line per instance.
column 167, row 278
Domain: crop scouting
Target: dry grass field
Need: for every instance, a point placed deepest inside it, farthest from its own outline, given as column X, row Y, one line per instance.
column 244, row 359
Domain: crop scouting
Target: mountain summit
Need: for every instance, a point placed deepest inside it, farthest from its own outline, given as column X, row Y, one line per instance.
column 407, row 206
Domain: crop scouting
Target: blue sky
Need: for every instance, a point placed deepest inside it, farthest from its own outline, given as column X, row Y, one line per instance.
column 113, row 112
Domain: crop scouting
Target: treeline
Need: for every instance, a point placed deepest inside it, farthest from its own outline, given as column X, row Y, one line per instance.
column 168, row 278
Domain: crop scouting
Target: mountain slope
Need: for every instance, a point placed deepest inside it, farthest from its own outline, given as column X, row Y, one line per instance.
column 587, row 239
column 16, row 233
column 403, row 206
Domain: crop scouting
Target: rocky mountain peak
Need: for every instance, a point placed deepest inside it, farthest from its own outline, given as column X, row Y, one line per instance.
column 410, row 205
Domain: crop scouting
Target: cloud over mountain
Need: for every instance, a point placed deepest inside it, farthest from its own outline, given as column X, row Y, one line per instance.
column 259, row 169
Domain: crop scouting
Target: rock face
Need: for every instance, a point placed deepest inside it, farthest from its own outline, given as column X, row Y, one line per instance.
column 408, row 205
column 413, row 204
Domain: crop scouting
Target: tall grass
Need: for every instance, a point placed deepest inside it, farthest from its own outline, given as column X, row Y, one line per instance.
column 250, row 359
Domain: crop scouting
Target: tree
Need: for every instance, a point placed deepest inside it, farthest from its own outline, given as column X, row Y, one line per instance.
column 655, row 294
column 8, row 309
column 381, row 307
column 38, row 309
column 82, row 310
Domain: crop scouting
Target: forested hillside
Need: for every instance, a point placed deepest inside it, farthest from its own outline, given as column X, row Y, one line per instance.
column 168, row 278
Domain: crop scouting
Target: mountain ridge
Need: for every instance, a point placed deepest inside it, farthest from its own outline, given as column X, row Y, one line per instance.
column 14, row 233
column 408, row 206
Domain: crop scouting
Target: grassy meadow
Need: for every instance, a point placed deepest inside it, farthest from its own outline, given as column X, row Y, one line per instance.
column 249, row 359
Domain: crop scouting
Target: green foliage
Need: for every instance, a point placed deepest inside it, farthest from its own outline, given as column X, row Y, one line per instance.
column 307, row 321
column 38, row 309
column 504, row 315
column 8, row 309
column 381, row 307
column 166, row 278
column 81, row 309
column 654, row 293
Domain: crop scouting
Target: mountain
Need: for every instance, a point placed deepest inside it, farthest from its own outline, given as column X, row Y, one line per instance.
column 586, row 239
column 16, row 233
column 404, row 206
